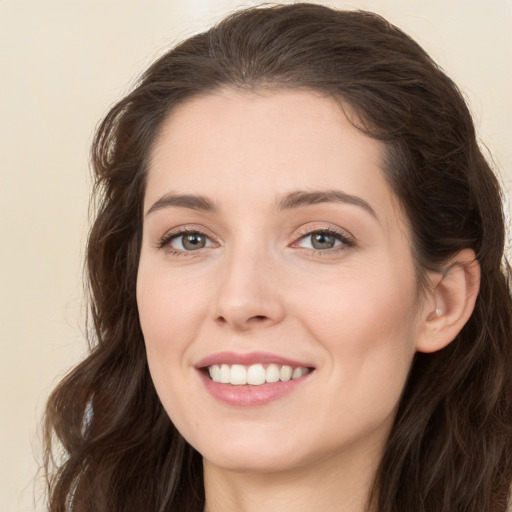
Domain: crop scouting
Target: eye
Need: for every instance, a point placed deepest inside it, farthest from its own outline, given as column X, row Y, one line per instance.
column 321, row 240
column 324, row 240
column 186, row 241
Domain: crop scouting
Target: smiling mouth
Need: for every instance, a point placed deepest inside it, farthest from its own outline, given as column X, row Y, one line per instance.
column 255, row 374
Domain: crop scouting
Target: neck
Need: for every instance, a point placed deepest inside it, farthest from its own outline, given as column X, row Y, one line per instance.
column 330, row 486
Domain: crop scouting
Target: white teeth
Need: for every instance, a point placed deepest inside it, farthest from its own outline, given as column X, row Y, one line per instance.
column 272, row 373
column 286, row 373
column 215, row 372
column 254, row 375
column 238, row 375
column 299, row 372
column 225, row 374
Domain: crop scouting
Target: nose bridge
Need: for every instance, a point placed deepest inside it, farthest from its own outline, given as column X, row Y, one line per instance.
column 247, row 293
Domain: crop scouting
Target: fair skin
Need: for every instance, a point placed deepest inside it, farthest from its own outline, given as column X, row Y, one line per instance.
column 241, row 264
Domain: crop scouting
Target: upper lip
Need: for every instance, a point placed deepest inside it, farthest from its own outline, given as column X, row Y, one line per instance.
column 248, row 359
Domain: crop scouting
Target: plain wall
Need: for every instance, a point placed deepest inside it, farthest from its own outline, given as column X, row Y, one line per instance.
column 62, row 63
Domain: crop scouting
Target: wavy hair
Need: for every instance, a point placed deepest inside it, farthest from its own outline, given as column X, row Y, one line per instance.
column 110, row 446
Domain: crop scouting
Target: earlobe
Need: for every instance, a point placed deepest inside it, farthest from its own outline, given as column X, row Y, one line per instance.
column 451, row 303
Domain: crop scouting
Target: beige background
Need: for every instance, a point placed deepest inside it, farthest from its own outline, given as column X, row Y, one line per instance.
column 62, row 63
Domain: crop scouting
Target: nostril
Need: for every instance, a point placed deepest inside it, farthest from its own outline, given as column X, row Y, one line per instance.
column 243, row 323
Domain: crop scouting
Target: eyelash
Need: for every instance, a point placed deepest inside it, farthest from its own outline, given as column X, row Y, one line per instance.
column 346, row 241
column 165, row 241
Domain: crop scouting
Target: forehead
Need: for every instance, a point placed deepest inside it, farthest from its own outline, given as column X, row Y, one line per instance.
column 253, row 146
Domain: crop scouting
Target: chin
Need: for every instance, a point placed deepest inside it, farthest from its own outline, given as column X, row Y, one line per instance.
column 251, row 462
column 251, row 455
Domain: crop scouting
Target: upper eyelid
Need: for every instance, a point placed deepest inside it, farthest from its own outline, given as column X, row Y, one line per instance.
column 343, row 233
column 173, row 233
column 347, row 239
column 300, row 233
column 188, row 228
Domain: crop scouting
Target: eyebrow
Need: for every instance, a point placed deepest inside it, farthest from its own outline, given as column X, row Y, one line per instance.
column 301, row 198
column 293, row 200
column 193, row 202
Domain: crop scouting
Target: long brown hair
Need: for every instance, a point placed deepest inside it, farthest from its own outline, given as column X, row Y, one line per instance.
column 450, row 448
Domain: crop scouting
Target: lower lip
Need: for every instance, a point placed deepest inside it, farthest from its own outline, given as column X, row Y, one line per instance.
column 249, row 396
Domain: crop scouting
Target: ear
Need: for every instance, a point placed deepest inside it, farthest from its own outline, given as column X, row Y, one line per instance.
column 450, row 303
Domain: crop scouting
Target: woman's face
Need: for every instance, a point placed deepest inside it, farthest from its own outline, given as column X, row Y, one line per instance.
column 272, row 247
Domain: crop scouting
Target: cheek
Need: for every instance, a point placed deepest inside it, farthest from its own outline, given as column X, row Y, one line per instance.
column 355, row 305
column 367, row 328
column 168, row 318
column 168, row 307
column 168, row 312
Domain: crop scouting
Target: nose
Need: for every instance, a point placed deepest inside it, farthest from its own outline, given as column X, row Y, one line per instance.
column 249, row 293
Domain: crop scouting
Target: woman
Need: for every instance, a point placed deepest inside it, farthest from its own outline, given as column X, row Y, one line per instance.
column 296, row 284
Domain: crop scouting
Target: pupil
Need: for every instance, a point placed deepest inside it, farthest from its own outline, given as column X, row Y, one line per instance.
column 193, row 241
column 323, row 241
